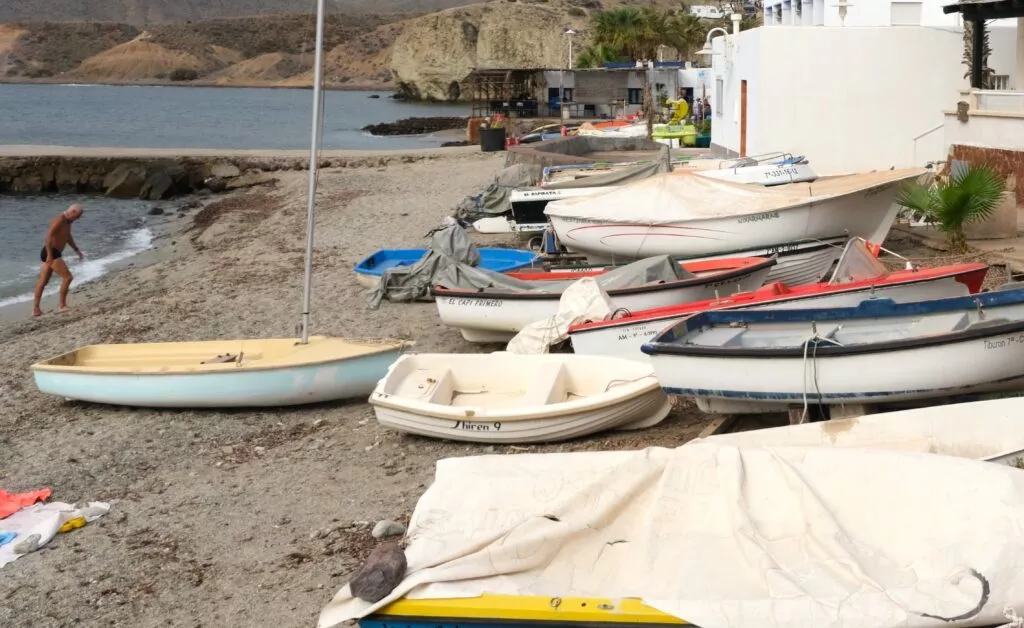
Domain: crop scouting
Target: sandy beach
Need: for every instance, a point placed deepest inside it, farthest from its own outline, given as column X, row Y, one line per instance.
column 241, row 518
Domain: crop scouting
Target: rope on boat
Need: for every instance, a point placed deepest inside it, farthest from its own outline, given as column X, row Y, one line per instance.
column 1016, row 621
column 815, row 338
column 616, row 382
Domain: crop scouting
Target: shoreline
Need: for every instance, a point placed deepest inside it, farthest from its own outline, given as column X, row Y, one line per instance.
column 173, row 225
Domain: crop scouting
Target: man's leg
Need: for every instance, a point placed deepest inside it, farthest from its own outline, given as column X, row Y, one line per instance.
column 44, row 278
column 61, row 269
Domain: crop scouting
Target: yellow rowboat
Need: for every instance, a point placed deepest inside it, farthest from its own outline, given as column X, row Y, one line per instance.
column 513, row 610
column 220, row 373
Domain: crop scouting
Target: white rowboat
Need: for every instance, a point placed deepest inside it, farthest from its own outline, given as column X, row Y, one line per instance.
column 509, row 398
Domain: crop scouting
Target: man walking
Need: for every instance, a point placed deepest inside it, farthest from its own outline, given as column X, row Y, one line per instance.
column 57, row 237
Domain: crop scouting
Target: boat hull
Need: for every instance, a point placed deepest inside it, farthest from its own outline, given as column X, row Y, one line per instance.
column 296, row 383
column 988, row 358
column 370, row 269
column 624, row 339
column 509, row 398
column 868, row 214
column 498, row 318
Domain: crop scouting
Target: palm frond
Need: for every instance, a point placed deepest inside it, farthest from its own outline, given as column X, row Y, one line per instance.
column 980, row 191
column 917, row 197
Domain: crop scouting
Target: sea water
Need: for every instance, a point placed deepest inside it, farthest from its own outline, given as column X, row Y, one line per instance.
column 108, row 232
column 204, row 117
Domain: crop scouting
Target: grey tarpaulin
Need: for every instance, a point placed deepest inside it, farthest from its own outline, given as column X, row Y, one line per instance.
column 494, row 199
column 618, row 176
column 449, row 246
column 650, row 270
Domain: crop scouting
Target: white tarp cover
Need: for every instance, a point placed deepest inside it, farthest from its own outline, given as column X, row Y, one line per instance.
column 679, row 196
column 583, row 301
column 723, row 536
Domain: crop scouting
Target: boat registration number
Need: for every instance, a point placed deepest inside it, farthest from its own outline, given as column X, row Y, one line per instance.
column 1009, row 341
column 477, row 427
column 758, row 217
column 782, row 172
column 644, row 332
column 461, row 302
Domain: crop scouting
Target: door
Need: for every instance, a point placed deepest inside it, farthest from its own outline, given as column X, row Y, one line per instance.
column 743, row 118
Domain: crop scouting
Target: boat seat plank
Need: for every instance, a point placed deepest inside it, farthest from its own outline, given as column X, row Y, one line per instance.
column 546, row 386
column 719, row 337
column 431, row 385
column 942, row 324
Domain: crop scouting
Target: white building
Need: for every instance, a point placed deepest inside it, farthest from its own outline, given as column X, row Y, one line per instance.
column 858, row 13
column 868, row 95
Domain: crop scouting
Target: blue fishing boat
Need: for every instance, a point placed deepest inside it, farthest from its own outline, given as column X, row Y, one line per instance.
column 370, row 269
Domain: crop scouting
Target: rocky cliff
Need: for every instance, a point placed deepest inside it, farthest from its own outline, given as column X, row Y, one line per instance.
column 434, row 54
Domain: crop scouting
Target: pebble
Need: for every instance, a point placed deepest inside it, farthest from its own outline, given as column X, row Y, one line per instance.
column 386, row 528
column 228, row 449
column 318, row 423
column 317, row 534
column 259, row 450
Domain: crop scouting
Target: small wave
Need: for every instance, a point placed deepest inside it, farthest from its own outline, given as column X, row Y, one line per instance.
column 91, row 270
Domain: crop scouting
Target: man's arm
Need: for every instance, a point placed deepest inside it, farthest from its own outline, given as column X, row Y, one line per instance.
column 71, row 241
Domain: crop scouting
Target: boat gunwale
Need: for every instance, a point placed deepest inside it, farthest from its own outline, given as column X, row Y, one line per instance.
column 361, row 269
column 385, row 345
column 734, row 272
column 639, row 318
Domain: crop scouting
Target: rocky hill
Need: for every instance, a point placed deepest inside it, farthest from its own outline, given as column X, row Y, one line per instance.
column 142, row 13
column 424, row 55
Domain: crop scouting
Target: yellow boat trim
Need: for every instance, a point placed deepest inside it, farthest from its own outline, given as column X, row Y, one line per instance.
column 530, row 608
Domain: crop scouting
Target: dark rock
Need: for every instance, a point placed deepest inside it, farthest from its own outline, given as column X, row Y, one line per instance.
column 125, row 181
column 380, row 574
column 415, row 126
column 156, row 211
column 459, row 143
column 215, row 184
column 157, row 186
column 374, row 96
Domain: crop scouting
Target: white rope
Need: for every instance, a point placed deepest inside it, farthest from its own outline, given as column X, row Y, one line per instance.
column 1016, row 621
column 814, row 365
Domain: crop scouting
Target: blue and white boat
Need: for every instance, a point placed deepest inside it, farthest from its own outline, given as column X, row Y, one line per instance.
column 877, row 352
column 370, row 269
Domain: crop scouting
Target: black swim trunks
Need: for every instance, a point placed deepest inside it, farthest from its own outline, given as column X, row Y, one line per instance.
column 42, row 254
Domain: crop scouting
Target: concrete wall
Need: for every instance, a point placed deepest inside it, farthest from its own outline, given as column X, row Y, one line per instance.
column 861, row 13
column 856, row 103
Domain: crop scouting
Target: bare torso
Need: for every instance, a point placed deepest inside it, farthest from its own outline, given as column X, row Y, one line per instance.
column 59, row 233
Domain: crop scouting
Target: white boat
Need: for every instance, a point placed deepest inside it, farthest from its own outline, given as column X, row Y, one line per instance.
column 496, row 314
column 508, row 398
column 878, row 352
column 687, row 215
column 858, row 276
column 527, row 205
column 229, row 373
column 980, row 430
column 763, row 174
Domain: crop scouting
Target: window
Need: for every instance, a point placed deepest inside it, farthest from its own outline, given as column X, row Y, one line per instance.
column 719, row 97
column 905, row 13
column 635, row 96
column 1001, row 82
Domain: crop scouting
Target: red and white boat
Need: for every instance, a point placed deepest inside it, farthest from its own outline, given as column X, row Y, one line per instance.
column 498, row 312
column 858, row 276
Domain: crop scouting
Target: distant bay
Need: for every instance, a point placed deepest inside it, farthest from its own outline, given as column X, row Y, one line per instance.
column 204, row 117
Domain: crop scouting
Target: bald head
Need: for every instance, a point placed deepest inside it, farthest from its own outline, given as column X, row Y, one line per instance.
column 74, row 212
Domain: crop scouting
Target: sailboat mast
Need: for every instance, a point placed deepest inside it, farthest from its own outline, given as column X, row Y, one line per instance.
column 314, row 149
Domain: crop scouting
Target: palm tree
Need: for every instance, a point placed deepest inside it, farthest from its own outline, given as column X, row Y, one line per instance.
column 686, row 33
column 970, row 195
column 596, row 56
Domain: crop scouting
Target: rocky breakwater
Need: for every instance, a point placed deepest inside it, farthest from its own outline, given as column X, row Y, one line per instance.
column 160, row 178
column 416, row 126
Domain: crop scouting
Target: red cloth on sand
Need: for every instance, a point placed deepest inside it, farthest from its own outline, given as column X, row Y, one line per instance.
column 11, row 503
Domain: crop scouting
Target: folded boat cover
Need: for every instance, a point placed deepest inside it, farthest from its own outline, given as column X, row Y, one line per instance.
column 680, row 196
column 583, row 301
column 725, row 536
